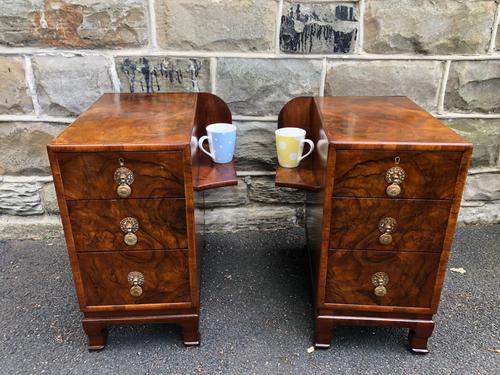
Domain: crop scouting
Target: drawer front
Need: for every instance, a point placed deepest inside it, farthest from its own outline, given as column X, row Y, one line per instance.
column 91, row 175
column 105, row 277
column 418, row 224
column 410, row 278
column 96, row 224
column 429, row 175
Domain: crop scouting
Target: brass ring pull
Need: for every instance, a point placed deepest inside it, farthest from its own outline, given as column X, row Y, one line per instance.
column 395, row 176
column 380, row 280
column 129, row 226
column 136, row 279
column 123, row 178
column 386, row 226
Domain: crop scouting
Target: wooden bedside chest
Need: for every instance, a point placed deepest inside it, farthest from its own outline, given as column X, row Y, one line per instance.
column 385, row 184
column 128, row 176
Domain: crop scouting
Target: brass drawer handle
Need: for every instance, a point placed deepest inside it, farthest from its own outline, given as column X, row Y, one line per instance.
column 386, row 226
column 124, row 178
column 136, row 279
column 380, row 280
column 129, row 226
column 395, row 177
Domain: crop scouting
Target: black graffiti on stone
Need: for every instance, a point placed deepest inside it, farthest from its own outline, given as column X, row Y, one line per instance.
column 310, row 31
column 145, row 75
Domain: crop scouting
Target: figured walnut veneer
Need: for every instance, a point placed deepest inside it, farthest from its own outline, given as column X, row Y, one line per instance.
column 155, row 137
column 358, row 139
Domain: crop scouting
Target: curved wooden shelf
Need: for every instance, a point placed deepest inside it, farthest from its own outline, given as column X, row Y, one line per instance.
column 301, row 177
column 211, row 175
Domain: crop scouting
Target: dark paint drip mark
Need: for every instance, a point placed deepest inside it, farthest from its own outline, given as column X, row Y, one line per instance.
column 158, row 77
column 315, row 31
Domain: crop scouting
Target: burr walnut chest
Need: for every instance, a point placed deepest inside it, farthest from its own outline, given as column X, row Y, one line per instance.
column 385, row 184
column 128, row 176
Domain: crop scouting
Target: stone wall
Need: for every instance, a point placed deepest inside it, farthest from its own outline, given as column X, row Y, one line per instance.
column 57, row 57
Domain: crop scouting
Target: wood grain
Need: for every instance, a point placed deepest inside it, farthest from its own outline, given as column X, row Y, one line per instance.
column 363, row 135
column 90, row 175
column 155, row 135
column 140, row 121
column 384, row 122
column 420, row 224
column 166, row 277
column 411, row 277
column 96, row 224
column 430, row 175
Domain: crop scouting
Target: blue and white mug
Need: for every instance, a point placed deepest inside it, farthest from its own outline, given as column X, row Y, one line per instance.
column 221, row 142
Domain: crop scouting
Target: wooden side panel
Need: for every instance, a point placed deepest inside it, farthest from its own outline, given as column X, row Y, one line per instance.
column 429, row 175
column 452, row 222
column 90, row 175
column 420, row 224
column 411, row 277
column 68, row 234
column 105, row 276
column 207, row 174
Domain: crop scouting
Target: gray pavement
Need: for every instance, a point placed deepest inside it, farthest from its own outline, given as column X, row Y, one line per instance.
column 256, row 316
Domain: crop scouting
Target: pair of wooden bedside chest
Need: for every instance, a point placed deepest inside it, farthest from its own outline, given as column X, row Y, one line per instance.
column 385, row 184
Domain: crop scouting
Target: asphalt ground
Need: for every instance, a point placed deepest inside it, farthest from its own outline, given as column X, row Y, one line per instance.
column 256, row 316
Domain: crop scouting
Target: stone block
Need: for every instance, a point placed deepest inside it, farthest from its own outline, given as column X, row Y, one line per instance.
column 484, row 134
column 251, row 217
column 163, row 74
column 14, row 95
column 261, row 87
column 419, row 80
column 483, row 185
column 479, row 213
column 73, row 23
column 473, row 86
column 23, row 146
column 263, row 190
column 229, row 196
column 214, row 25
column 319, row 27
column 20, row 198
column 498, row 39
column 49, row 199
column 428, row 26
column 67, row 86
column 255, row 148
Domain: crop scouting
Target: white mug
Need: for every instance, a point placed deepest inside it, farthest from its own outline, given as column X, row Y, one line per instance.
column 221, row 142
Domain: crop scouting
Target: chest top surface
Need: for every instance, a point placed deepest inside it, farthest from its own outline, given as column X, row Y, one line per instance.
column 360, row 121
column 125, row 120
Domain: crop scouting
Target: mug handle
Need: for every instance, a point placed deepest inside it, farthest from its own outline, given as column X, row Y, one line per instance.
column 200, row 143
column 311, row 148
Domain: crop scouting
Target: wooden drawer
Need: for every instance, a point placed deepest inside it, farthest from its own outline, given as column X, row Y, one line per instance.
column 430, row 175
column 105, row 277
column 90, row 175
column 420, row 225
column 411, row 277
column 96, row 223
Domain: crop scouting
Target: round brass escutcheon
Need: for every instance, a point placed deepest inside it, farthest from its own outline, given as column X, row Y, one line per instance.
column 136, row 279
column 380, row 291
column 130, row 239
column 124, row 178
column 393, row 190
column 385, row 239
column 380, row 280
column 129, row 226
column 395, row 175
column 136, row 291
column 123, row 191
column 387, row 225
